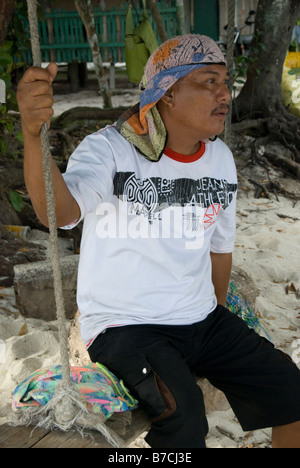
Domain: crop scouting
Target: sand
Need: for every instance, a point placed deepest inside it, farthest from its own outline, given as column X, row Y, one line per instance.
column 267, row 248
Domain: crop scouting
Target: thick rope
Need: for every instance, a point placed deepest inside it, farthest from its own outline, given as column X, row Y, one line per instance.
column 50, row 199
column 230, row 65
column 65, row 409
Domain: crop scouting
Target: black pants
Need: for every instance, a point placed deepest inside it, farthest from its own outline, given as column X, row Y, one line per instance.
column 159, row 365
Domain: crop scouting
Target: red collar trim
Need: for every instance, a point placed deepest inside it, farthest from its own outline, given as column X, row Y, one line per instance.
column 183, row 157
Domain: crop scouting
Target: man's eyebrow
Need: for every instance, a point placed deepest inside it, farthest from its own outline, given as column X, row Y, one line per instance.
column 213, row 72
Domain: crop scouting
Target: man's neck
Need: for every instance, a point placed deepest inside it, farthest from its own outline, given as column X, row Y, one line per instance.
column 183, row 147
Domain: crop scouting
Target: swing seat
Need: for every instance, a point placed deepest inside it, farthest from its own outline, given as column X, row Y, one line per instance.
column 103, row 402
column 138, row 423
column 36, row 437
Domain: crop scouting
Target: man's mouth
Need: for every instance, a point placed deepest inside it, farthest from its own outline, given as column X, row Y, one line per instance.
column 221, row 112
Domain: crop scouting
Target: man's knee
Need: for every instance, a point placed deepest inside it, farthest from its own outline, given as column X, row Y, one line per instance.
column 287, row 436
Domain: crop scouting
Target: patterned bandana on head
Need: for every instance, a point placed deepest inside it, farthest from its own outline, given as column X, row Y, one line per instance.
column 142, row 125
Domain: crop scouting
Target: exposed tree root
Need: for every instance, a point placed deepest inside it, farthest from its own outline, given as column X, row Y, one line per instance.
column 279, row 126
column 86, row 113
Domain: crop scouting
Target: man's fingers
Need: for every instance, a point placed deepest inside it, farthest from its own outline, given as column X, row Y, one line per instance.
column 40, row 74
column 36, row 74
column 41, row 101
column 38, row 114
column 35, row 97
column 52, row 69
column 39, row 88
column 29, row 91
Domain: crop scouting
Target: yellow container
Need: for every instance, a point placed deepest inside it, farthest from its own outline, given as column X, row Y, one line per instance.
column 22, row 232
column 292, row 60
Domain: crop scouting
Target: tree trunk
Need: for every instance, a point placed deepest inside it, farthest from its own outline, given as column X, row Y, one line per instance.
column 180, row 16
column 261, row 93
column 6, row 12
column 85, row 10
column 261, row 96
column 152, row 4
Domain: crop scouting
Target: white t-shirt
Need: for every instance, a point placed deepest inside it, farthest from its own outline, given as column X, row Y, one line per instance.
column 149, row 228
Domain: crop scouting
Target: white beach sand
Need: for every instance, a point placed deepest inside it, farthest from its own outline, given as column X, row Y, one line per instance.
column 267, row 248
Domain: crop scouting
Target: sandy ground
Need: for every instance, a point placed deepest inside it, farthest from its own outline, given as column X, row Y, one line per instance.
column 91, row 98
column 267, row 248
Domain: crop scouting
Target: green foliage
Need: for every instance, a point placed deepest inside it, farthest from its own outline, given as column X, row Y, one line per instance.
column 11, row 61
column 243, row 62
column 16, row 200
column 294, row 71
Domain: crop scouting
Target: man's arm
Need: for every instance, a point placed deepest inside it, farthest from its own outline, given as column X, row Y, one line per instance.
column 221, row 270
column 35, row 104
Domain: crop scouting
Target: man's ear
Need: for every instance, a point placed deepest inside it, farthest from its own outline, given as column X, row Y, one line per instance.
column 168, row 97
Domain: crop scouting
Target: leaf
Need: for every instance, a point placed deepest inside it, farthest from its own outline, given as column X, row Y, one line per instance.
column 6, row 78
column 16, row 200
column 19, row 136
column 262, row 46
column 18, row 65
column 12, row 100
column 9, row 125
column 294, row 71
column 6, row 46
column 5, row 58
column 23, row 330
column 3, row 146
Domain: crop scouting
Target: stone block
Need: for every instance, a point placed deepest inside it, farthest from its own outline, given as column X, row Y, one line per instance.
column 34, row 290
column 214, row 399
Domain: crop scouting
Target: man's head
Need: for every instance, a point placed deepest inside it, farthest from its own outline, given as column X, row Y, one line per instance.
column 195, row 107
column 176, row 99
column 187, row 78
column 178, row 56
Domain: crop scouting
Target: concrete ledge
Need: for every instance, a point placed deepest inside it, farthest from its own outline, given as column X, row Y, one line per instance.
column 33, row 284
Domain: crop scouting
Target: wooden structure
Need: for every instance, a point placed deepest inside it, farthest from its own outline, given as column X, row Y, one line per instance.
column 63, row 37
column 241, row 12
column 205, row 17
column 31, row 437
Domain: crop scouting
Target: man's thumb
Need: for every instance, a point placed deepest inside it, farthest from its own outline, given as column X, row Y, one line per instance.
column 52, row 69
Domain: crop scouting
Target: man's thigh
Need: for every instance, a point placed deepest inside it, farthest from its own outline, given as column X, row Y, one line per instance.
column 261, row 383
column 156, row 373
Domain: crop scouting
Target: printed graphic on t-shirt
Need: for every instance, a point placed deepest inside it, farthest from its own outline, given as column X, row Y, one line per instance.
column 151, row 196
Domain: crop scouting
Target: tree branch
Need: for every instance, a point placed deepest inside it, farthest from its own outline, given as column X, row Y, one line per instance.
column 6, row 12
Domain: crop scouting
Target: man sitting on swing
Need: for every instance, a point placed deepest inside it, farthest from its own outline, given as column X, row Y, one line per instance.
column 157, row 192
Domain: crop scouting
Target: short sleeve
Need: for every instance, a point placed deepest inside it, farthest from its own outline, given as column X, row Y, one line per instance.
column 223, row 237
column 89, row 174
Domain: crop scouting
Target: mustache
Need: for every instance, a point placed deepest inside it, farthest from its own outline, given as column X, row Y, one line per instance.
column 223, row 108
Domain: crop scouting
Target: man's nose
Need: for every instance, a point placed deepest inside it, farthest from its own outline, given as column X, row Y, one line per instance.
column 224, row 94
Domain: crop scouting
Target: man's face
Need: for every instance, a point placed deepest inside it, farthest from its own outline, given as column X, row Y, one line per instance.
column 200, row 102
